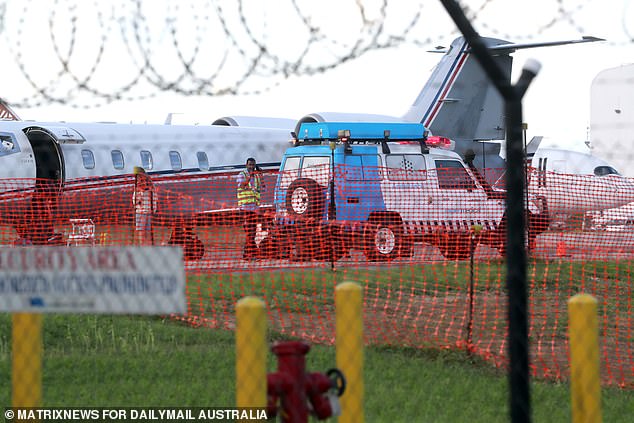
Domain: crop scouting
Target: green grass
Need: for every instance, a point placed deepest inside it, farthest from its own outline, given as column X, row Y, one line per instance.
column 140, row 361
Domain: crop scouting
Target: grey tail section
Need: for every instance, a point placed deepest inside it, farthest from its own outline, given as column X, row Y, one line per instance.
column 458, row 101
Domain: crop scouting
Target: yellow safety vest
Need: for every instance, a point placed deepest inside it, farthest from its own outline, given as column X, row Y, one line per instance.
column 250, row 194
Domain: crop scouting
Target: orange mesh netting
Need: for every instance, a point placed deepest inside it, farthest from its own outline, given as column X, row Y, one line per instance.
column 423, row 287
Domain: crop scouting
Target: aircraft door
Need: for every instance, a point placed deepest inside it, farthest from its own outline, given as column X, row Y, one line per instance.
column 49, row 160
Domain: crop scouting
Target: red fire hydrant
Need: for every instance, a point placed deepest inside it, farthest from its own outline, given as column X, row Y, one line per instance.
column 301, row 393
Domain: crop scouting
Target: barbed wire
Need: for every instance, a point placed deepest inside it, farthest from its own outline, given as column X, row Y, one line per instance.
column 94, row 53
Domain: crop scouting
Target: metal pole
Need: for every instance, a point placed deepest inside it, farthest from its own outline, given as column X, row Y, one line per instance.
column 471, row 292
column 332, row 207
column 516, row 266
column 515, row 212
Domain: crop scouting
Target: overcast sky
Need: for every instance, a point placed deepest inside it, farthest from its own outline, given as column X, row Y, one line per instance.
column 387, row 81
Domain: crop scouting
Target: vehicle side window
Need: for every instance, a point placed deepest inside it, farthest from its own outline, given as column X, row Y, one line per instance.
column 117, row 159
column 453, row 175
column 405, row 167
column 371, row 168
column 88, row 158
column 362, row 168
column 352, row 169
column 316, row 168
column 289, row 171
column 203, row 161
column 175, row 160
column 146, row 160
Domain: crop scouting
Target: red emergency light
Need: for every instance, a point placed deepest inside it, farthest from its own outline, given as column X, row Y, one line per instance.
column 436, row 141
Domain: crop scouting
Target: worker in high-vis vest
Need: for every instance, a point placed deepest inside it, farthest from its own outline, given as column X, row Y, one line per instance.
column 249, row 188
column 144, row 207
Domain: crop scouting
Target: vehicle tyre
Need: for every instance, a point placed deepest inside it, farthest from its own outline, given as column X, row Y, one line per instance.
column 193, row 249
column 304, row 237
column 334, row 243
column 455, row 246
column 383, row 241
column 407, row 247
column 305, row 200
column 269, row 248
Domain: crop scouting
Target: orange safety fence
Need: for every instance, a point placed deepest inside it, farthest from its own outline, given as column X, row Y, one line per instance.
column 428, row 247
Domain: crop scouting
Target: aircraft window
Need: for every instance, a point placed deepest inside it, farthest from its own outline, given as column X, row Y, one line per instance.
column 8, row 145
column 452, row 175
column 289, row 171
column 317, row 168
column 203, row 161
column 88, row 158
column 146, row 160
column 117, row 159
column 605, row 170
column 406, row 167
column 175, row 160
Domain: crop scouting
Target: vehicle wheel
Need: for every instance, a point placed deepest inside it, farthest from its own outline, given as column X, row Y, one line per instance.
column 334, row 243
column 383, row 241
column 305, row 199
column 407, row 247
column 455, row 246
column 193, row 247
column 304, row 237
column 269, row 248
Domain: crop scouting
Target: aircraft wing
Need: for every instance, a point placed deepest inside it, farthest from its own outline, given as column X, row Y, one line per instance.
column 510, row 47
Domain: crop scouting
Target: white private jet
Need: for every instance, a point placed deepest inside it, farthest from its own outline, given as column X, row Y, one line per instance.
column 573, row 182
column 193, row 167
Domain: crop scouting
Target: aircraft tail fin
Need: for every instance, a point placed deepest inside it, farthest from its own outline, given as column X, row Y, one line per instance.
column 533, row 145
column 458, row 101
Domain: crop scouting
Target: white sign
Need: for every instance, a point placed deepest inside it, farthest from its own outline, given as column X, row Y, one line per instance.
column 145, row 280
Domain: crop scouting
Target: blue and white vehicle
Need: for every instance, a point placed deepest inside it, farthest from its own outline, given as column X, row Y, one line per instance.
column 379, row 188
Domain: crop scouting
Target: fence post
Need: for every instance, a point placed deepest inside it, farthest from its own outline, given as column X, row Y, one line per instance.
column 26, row 351
column 349, row 344
column 251, row 350
column 584, row 359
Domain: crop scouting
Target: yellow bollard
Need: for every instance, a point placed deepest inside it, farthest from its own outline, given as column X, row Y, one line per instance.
column 584, row 359
column 349, row 342
column 251, row 352
column 26, row 356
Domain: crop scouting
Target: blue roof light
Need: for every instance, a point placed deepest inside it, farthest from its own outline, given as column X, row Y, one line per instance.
column 362, row 130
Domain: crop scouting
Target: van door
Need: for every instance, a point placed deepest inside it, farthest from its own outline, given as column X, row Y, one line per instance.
column 358, row 187
column 462, row 202
column 405, row 188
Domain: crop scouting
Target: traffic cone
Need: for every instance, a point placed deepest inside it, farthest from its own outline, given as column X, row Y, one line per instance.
column 562, row 249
